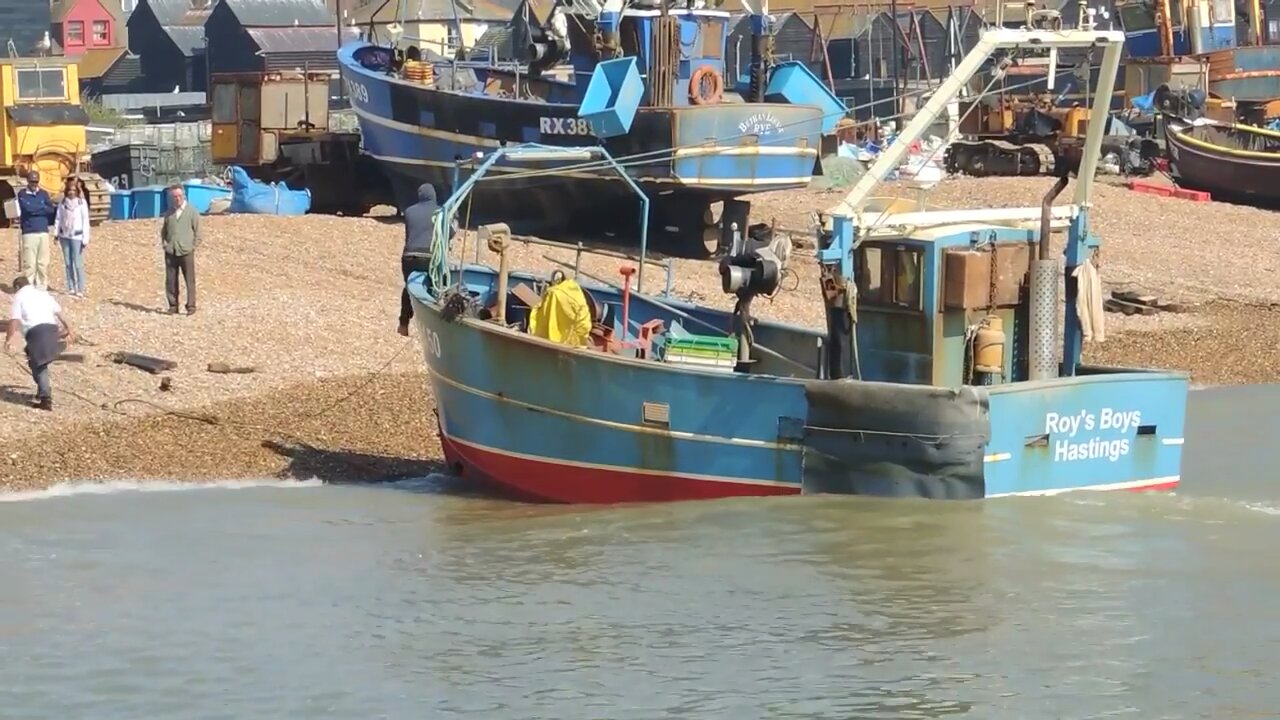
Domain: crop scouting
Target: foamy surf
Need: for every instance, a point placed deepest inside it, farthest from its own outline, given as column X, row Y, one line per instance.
column 1177, row 506
column 122, row 486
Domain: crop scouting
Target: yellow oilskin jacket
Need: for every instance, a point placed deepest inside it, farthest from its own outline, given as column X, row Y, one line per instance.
column 562, row 315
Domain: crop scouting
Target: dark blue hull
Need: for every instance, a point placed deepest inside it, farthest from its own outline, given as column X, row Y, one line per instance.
column 685, row 158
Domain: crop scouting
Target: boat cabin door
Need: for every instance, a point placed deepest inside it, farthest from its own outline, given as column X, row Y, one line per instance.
column 250, row 123
column 237, row 122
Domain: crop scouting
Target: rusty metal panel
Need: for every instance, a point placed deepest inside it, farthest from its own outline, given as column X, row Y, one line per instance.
column 223, row 145
column 224, row 102
column 292, row 103
column 966, row 276
column 1247, row 59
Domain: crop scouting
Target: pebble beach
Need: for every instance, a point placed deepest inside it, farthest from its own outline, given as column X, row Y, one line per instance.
column 310, row 303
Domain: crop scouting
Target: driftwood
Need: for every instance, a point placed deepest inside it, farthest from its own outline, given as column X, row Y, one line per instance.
column 1129, row 302
column 225, row 369
column 153, row 365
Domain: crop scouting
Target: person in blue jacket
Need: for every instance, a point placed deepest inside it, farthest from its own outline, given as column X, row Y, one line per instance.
column 35, row 214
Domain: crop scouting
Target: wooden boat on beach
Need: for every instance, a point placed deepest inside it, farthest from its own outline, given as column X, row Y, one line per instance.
column 1231, row 162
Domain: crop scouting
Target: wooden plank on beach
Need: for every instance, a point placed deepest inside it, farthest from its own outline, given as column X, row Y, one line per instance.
column 1136, row 298
column 226, row 369
column 1113, row 304
column 153, row 365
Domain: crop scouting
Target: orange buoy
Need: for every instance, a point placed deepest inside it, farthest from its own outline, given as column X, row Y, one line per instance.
column 705, row 86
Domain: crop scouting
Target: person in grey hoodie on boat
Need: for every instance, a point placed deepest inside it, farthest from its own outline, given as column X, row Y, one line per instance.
column 416, row 257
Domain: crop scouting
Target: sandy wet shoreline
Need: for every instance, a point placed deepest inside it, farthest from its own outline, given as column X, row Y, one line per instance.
column 311, row 302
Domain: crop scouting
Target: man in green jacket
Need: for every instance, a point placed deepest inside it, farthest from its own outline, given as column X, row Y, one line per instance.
column 180, row 236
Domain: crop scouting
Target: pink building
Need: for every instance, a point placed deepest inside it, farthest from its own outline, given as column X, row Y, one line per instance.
column 82, row 25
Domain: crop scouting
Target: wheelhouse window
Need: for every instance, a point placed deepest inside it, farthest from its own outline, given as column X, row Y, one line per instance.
column 1223, row 11
column 889, row 276
column 1137, row 17
column 41, row 84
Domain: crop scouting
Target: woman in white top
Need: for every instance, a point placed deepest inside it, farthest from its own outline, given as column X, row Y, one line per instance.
column 72, row 227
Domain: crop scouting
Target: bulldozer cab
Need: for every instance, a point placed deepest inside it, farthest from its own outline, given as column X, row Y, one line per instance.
column 42, row 128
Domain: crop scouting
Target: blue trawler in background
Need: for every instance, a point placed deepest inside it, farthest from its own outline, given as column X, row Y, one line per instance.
column 941, row 372
column 647, row 83
column 1217, row 46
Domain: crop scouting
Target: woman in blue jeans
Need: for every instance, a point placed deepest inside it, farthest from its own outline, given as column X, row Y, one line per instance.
column 72, row 227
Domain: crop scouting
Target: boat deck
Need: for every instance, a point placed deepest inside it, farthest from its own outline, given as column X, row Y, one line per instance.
column 667, row 331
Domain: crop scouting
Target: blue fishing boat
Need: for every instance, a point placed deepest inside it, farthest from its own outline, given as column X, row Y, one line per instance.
column 647, row 83
column 937, row 374
column 1213, row 45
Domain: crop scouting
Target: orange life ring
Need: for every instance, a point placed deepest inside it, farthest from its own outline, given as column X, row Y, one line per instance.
column 705, row 86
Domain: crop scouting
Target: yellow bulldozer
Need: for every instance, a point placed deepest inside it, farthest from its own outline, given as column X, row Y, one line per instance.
column 42, row 128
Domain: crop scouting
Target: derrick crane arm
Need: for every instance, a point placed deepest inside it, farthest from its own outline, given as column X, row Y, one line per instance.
column 1002, row 39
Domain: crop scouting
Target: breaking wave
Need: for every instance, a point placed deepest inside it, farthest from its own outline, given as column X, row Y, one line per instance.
column 122, row 486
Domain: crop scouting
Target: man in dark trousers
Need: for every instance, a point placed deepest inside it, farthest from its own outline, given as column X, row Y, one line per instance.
column 419, row 226
column 37, row 316
column 35, row 213
column 180, row 236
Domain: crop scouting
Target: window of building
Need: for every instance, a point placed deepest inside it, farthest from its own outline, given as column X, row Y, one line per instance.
column 75, row 33
column 889, row 275
column 1223, row 11
column 41, row 83
column 127, row 6
column 101, row 32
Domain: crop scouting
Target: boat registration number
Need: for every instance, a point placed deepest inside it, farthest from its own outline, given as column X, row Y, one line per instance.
column 563, row 126
column 431, row 341
column 357, row 91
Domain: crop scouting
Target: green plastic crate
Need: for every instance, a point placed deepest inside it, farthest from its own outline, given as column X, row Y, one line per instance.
column 703, row 346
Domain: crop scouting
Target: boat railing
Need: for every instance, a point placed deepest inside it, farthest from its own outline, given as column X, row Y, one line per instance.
column 536, row 153
column 580, row 248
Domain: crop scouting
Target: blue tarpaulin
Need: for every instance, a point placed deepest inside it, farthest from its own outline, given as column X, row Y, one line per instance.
column 1145, row 103
column 259, row 198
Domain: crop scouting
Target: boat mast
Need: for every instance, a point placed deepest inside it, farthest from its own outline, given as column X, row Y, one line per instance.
column 761, row 50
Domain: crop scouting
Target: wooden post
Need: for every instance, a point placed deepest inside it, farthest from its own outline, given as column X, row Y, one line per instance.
column 504, row 275
column 497, row 237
